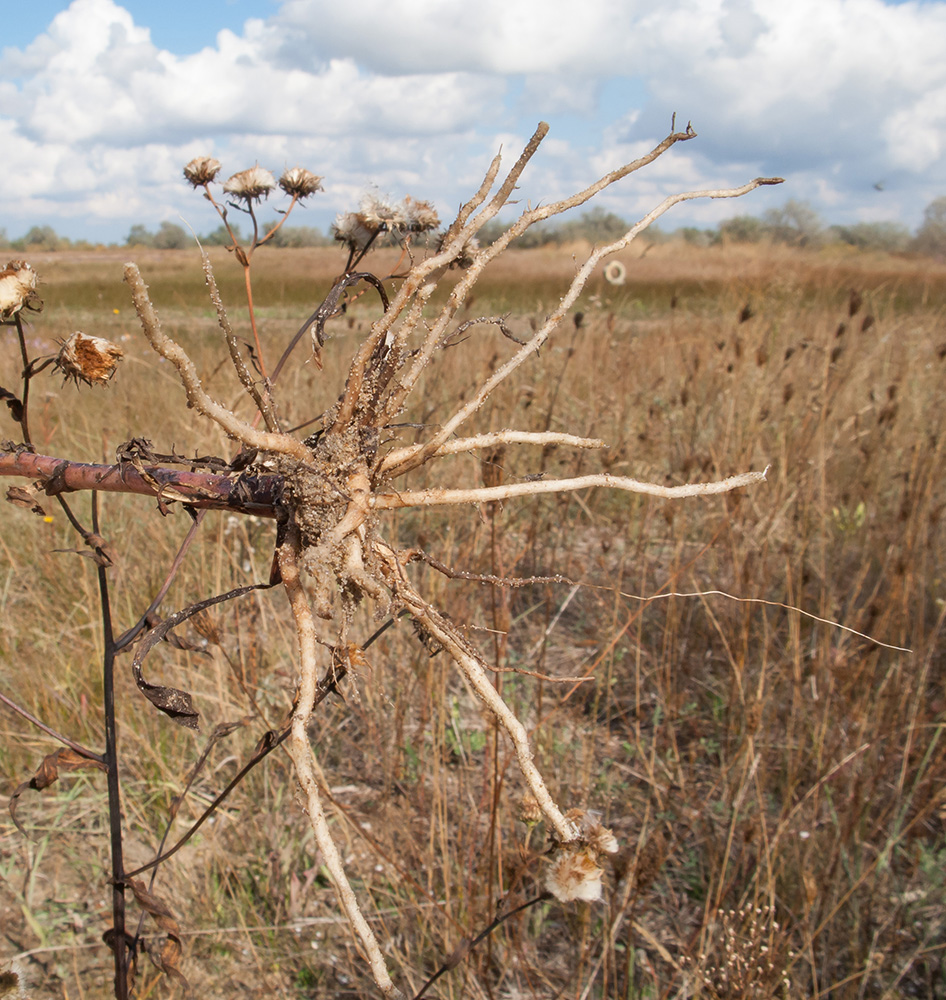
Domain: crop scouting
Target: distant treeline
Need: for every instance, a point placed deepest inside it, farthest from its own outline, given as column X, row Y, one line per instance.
column 796, row 223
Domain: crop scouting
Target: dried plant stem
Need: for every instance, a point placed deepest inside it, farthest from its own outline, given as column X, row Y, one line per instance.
column 196, row 396
column 474, row 671
column 490, row 440
column 264, row 405
column 483, row 494
column 303, row 758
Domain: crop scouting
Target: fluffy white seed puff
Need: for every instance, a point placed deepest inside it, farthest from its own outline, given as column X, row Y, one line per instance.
column 599, row 838
column 17, row 288
column 574, row 872
column 202, row 170
column 250, row 185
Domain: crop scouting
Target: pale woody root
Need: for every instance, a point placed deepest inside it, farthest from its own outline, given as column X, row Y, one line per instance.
column 338, row 482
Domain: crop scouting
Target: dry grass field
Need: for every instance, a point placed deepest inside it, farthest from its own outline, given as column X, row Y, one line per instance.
column 777, row 780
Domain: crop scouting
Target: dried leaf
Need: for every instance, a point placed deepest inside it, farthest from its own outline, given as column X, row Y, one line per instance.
column 16, row 407
column 458, row 954
column 64, row 760
column 177, row 704
column 25, row 496
column 9, row 981
column 168, row 957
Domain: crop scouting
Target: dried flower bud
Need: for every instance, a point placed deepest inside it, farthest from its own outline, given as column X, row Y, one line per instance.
column 202, row 170
column 529, row 811
column 250, row 185
column 88, row 359
column 300, row 182
column 18, row 289
column 574, row 874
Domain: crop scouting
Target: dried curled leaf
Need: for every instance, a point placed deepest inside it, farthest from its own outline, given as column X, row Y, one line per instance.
column 177, row 704
column 13, row 402
column 25, row 496
column 167, row 958
column 65, row 760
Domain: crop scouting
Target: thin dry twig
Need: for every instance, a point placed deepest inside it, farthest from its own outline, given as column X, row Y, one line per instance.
column 197, row 397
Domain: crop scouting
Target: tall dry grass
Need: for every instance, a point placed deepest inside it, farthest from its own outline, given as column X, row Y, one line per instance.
column 777, row 782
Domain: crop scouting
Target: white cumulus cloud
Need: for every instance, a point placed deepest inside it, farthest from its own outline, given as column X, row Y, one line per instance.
column 416, row 95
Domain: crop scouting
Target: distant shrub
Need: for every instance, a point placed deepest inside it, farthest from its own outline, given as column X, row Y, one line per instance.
column 139, row 236
column 887, row 236
column 931, row 236
column 597, row 226
column 41, row 238
column 796, row 224
column 299, row 236
column 171, row 237
column 220, row 237
column 697, row 237
column 743, row 229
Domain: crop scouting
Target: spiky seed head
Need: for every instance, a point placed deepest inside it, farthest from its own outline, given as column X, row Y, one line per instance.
column 599, row 838
column 300, row 182
column 250, row 185
column 574, row 874
column 17, row 289
column 88, row 359
column 378, row 212
column 350, row 228
column 202, row 170
column 420, row 215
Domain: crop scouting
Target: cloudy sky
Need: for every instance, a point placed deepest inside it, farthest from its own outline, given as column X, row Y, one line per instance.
column 103, row 101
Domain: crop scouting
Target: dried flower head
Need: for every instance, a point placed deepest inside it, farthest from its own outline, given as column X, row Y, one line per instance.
column 574, row 874
column 467, row 254
column 599, row 838
column 300, row 182
column 18, row 289
column 250, row 185
column 421, row 217
column 350, row 228
column 379, row 212
column 202, row 170
column 88, row 359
